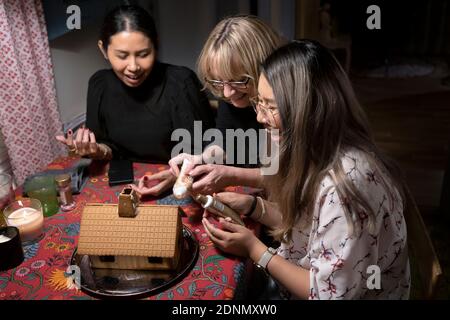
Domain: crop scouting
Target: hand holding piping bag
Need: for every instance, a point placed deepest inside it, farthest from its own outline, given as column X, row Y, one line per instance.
column 216, row 207
column 183, row 188
column 183, row 184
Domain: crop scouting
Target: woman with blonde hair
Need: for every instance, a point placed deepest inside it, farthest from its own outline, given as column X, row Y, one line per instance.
column 336, row 203
column 229, row 67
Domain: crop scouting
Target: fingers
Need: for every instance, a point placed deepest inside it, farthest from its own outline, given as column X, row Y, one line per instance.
column 68, row 141
column 230, row 226
column 225, row 197
column 61, row 139
column 142, row 182
column 201, row 170
column 93, row 146
column 173, row 164
column 142, row 191
column 79, row 139
column 70, row 138
column 85, row 142
column 85, row 138
column 202, row 186
column 160, row 175
column 216, row 232
column 206, row 214
column 160, row 187
column 176, row 161
column 137, row 189
column 211, row 231
column 146, row 187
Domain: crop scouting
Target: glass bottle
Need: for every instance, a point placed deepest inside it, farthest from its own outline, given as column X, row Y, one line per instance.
column 64, row 182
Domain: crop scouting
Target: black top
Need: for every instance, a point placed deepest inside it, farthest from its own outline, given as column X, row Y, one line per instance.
column 230, row 117
column 137, row 123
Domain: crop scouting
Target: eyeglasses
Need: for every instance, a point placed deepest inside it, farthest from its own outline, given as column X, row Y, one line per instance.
column 219, row 84
column 259, row 105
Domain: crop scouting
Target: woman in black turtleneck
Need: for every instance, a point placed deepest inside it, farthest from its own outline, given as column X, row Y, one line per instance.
column 133, row 108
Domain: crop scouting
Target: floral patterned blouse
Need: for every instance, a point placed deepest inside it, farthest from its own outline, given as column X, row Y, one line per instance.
column 344, row 266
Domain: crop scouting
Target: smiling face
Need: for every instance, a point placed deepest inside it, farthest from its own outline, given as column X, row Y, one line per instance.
column 132, row 56
column 267, row 110
column 237, row 95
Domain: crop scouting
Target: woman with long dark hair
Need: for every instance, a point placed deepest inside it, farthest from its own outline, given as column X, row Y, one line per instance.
column 336, row 203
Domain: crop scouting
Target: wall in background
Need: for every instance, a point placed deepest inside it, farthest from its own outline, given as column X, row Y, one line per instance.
column 183, row 28
column 75, row 58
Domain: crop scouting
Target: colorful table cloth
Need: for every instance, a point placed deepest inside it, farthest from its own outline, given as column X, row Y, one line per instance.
column 43, row 275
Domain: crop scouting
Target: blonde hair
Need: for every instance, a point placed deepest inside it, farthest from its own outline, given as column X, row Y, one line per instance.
column 321, row 120
column 236, row 47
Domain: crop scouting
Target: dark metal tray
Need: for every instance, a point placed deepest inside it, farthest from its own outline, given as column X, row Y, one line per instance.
column 135, row 284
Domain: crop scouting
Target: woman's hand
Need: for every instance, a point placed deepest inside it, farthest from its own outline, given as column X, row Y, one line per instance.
column 239, row 202
column 155, row 184
column 83, row 143
column 210, row 178
column 67, row 141
column 233, row 238
column 178, row 160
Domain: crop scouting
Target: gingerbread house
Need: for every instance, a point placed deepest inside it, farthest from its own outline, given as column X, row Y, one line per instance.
column 149, row 240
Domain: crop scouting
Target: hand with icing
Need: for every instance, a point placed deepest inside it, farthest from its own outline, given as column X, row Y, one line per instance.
column 183, row 184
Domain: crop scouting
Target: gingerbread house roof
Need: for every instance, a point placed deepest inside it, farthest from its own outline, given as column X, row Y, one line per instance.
column 152, row 233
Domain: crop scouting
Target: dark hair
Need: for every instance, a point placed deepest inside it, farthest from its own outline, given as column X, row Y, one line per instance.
column 321, row 119
column 128, row 18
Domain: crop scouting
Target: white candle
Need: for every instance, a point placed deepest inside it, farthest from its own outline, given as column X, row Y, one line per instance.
column 4, row 238
column 29, row 221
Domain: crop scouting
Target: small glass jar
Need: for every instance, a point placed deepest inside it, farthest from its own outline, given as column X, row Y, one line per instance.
column 66, row 200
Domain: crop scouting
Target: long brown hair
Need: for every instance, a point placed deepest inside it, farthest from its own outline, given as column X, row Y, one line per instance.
column 320, row 119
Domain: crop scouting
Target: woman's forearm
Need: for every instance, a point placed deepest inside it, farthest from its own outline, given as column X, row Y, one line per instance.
column 246, row 177
column 266, row 213
column 294, row 278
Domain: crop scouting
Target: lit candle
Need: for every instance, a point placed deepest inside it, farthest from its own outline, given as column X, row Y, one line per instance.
column 29, row 221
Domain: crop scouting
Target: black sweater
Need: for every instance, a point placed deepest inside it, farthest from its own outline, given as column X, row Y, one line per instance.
column 137, row 123
column 230, row 117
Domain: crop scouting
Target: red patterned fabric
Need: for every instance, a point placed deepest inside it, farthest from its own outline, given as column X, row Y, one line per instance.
column 42, row 274
column 29, row 117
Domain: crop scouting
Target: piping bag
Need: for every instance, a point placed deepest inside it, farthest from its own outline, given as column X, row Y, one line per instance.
column 183, row 188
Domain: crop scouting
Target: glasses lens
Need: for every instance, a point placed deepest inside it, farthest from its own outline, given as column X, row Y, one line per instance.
column 216, row 84
column 238, row 85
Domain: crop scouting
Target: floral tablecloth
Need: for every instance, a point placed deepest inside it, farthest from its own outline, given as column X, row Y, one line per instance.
column 43, row 275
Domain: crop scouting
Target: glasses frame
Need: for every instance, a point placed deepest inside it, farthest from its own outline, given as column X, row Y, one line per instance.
column 260, row 106
column 219, row 84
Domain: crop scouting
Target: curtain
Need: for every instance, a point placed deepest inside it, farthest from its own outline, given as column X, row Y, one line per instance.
column 29, row 118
